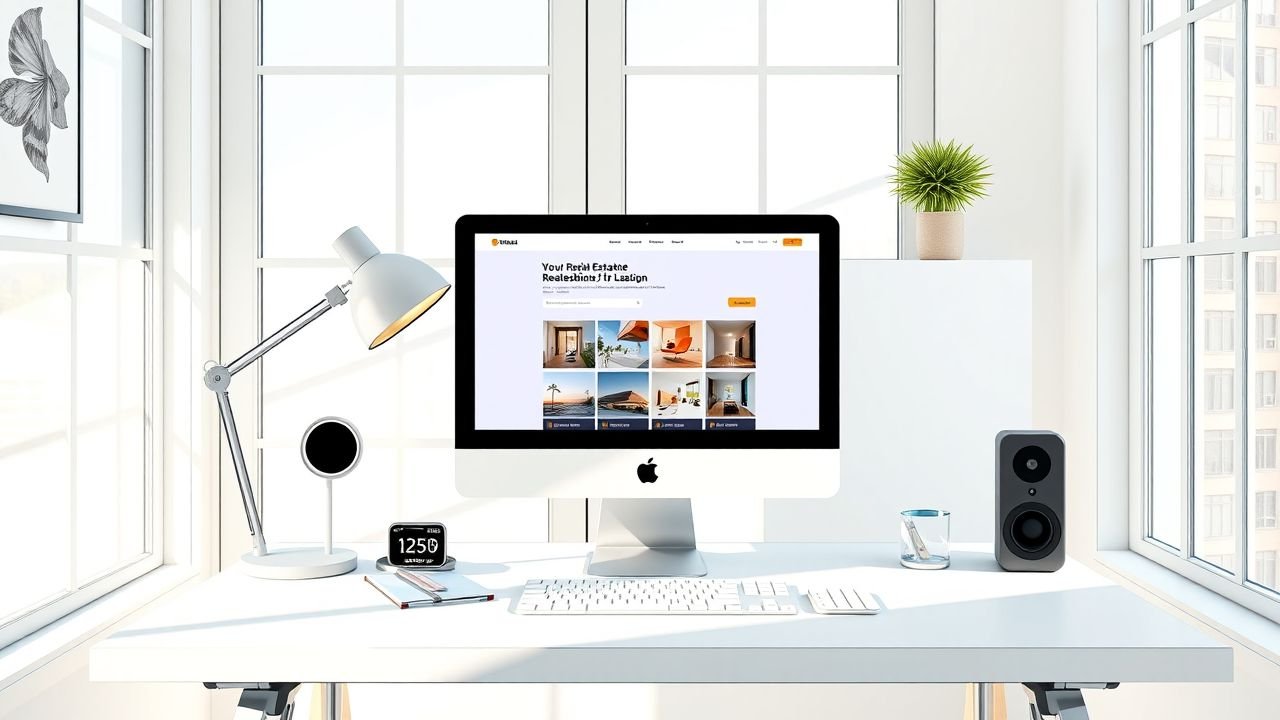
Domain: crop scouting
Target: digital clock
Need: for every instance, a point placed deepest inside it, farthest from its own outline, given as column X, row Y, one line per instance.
column 417, row 545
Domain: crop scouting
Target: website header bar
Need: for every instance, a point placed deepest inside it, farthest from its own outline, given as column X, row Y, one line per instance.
column 642, row 242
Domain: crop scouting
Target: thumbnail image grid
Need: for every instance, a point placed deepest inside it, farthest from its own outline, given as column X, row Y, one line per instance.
column 628, row 369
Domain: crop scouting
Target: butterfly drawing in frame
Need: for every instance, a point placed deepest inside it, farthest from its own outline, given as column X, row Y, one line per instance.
column 36, row 99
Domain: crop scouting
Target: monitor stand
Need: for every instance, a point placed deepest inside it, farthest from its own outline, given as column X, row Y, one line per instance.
column 646, row 537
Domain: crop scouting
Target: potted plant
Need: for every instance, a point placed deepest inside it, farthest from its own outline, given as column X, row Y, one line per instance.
column 939, row 180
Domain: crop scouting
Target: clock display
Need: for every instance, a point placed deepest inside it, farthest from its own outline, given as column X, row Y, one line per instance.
column 416, row 545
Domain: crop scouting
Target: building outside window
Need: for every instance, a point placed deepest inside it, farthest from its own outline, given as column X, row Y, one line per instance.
column 1264, row 450
column 1264, row 273
column 1218, row 515
column 1220, row 58
column 1264, row 383
column 1218, row 446
column 1265, row 66
column 1264, row 512
column 1219, row 176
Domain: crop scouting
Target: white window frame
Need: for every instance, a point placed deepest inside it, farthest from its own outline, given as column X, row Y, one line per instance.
column 77, row 594
column 1137, row 502
column 587, row 134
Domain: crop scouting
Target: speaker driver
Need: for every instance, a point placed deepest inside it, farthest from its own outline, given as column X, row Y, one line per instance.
column 1032, row 531
column 1032, row 464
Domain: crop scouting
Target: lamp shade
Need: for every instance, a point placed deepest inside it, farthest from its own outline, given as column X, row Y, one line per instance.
column 388, row 290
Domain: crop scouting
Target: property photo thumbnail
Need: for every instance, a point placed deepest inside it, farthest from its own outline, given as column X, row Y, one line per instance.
column 622, row 344
column 732, row 343
column 623, row 394
column 677, row 344
column 677, row 395
column 731, row 394
column 568, row 394
column 568, row 344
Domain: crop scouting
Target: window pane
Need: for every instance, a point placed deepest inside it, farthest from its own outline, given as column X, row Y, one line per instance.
column 110, row 462
column 1215, row 417
column 1162, row 11
column 1215, row 144
column 692, row 144
column 132, row 13
column 328, row 162
column 328, row 32
column 34, row 472
column 1264, row 134
column 704, row 32
column 490, row 159
column 114, row 143
column 833, row 32
column 1167, row 392
column 1168, row 127
column 476, row 32
column 828, row 156
column 326, row 370
column 1263, row 480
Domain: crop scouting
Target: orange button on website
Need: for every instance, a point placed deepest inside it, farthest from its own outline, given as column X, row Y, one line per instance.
column 742, row 302
column 792, row 242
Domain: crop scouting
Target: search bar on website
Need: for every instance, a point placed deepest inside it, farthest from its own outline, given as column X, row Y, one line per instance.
column 602, row 303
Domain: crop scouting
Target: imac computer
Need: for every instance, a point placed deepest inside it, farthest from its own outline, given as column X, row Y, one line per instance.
column 647, row 360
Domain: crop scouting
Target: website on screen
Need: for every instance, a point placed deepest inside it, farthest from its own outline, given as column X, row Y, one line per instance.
column 669, row 332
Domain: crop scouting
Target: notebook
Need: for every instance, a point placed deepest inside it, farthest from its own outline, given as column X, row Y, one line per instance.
column 404, row 594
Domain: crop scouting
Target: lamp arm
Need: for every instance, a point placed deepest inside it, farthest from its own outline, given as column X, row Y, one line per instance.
column 218, row 379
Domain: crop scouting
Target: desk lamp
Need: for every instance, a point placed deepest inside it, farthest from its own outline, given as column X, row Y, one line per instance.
column 387, row 291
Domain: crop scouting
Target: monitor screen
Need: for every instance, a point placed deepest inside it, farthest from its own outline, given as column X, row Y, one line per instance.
column 660, row 330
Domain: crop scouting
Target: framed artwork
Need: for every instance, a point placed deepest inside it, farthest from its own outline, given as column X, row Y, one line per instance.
column 41, row 168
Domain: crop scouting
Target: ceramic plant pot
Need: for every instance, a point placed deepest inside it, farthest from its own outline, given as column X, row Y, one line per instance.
column 940, row 235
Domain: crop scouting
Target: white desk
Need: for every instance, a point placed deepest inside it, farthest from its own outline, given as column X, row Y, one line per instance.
column 969, row 624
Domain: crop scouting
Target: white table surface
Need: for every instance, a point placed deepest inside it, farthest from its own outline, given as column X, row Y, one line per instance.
column 970, row 623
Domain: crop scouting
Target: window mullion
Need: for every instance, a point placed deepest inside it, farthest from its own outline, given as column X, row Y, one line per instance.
column 1189, row 456
column 73, row 409
column 1244, row 455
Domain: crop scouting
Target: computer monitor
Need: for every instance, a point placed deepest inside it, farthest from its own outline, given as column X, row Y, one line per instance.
column 647, row 360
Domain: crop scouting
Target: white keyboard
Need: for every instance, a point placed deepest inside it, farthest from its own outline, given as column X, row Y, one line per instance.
column 655, row 596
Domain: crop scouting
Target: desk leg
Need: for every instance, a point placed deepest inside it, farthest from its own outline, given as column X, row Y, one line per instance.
column 984, row 701
column 1061, row 700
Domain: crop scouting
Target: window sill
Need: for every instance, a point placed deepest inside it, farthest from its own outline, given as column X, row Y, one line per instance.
column 1241, row 625
column 47, row 644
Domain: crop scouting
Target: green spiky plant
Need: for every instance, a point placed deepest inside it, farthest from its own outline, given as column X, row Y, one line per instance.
column 940, row 176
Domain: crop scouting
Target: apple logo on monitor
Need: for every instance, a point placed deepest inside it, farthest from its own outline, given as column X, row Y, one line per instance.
column 647, row 472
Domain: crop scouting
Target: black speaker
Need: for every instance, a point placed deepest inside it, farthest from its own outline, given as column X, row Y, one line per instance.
column 1031, row 500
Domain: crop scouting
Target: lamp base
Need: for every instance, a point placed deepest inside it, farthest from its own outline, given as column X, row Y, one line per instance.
column 298, row 563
